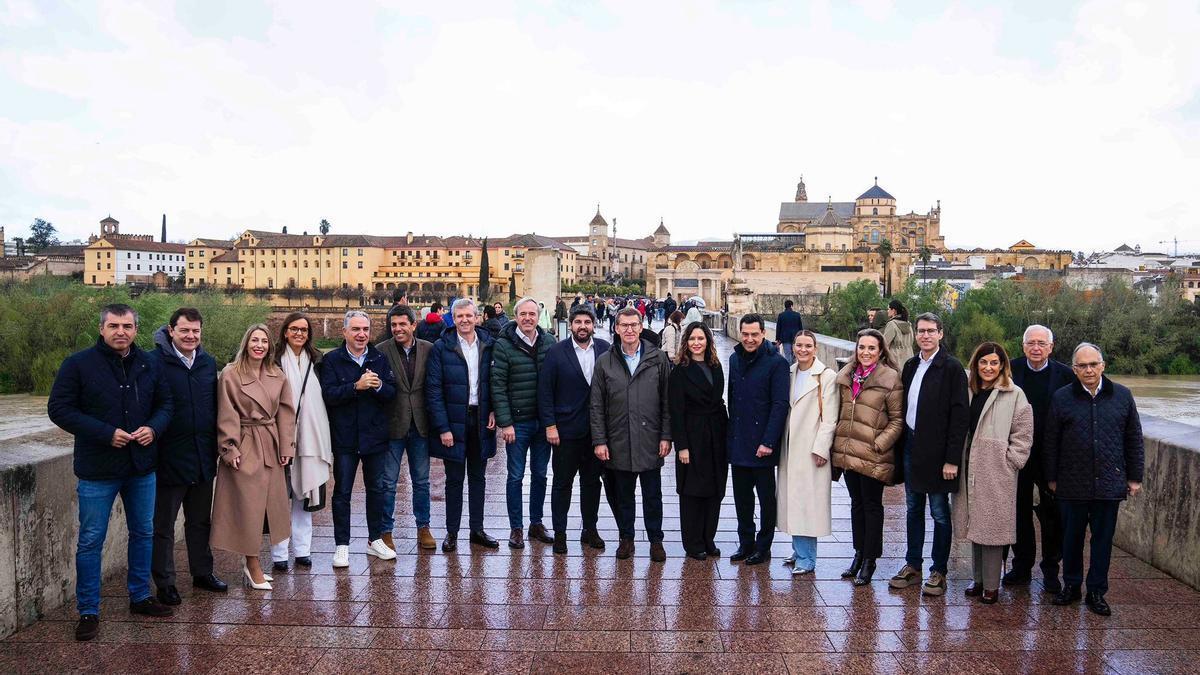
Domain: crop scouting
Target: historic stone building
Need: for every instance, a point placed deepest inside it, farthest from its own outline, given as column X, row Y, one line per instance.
column 603, row 255
column 113, row 258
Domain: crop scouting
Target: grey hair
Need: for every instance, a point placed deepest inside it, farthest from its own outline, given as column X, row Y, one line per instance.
column 352, row 314
column 463, row 302
column 525, row 300
column 1085, row 345
column 1033, row 327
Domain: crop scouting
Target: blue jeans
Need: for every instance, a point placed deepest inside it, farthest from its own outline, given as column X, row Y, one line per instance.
column 939, row 506
column 374, row 468
column 96, row 499
column 805, row 550
column 531, row 436
column 418, row 475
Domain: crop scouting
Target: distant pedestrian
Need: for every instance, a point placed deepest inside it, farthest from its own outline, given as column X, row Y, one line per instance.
column 899, row 335
column 787, row 324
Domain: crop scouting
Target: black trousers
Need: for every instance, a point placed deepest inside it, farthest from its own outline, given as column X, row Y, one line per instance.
column 1025, row 550
column 698, row 522
column 570, row 457
column 196, row 501
column 746, row 482
column 1078, row 516
column 866, row 514
column 474, row 472
column 624, row 504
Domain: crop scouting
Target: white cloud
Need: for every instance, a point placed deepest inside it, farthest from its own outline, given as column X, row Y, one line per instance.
column 512, row 117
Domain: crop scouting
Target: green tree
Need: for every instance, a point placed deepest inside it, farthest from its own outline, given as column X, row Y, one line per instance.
column 324, row 227
column 845, row 310
column 485, row 274
column 41, row 235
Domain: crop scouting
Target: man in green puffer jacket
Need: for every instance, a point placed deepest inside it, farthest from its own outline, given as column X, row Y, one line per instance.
column 518, row 357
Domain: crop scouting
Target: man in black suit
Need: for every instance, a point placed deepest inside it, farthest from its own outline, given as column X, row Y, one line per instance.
column 1039, row 376
column 564, row 392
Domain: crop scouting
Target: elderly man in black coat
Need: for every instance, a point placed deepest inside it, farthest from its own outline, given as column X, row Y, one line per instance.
column 1094, row 458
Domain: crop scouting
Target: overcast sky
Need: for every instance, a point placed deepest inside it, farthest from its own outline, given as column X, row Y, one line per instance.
column 1073, row 125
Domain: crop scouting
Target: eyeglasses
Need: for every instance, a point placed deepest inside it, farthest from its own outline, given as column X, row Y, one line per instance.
column 1092, row 365
column 1037, row 343
column 627, row 326
column 928, row 331
column 297, row 329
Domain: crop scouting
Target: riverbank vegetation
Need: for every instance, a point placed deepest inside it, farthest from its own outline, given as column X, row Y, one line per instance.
column 1139, row 335
column 44, row 320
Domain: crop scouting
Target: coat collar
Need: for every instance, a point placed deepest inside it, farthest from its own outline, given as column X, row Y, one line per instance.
column 809, row 384
column 256, row 387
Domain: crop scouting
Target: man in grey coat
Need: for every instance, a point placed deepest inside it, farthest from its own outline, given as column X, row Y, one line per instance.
column 631, row 429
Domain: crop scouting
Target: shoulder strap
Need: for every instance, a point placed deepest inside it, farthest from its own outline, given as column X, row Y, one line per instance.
column 820, row 400
column 303, row 388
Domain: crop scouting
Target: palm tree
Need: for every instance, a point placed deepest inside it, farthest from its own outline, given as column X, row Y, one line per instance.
column 885, row 251
column 924, row 255
column 324, row 227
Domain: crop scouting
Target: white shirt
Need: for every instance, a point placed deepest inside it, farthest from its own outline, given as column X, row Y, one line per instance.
column 531, row 341
column 587, row 359
column 801, row 380
column 186, row 361
column 1045, row 364
column 1096, row 393
column 471, row 353
column 914, row 389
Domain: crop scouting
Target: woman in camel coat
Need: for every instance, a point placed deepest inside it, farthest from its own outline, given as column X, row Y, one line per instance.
column 804, row 485
column 869, row 425
column 998, row 442
column 256, row 429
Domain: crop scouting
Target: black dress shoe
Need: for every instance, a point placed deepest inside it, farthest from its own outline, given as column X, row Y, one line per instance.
column 701, row 555
column 303, row 561
column 855, row 564
column 87, row 628
column 279, row 565
column 740, row 555
column 150, row 607
column 560, row 543
column 450, row 543
column 1016, row 578
column 481, row 538
column 537, row 532
column 657, row 552
column 713, row 551
column 210, row 582
column 1067, row 596
column 1098, row 604
column 1052, row 585
column 624, row 549
column 591, row 538
column 169, row 596
column 758, row 557
column 865, row 572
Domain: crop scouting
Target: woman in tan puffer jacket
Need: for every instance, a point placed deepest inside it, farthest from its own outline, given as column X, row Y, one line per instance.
column 869, row 424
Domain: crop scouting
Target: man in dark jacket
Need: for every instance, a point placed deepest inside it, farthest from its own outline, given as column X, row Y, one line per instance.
column 669, row 306
column 1039, row 376
column 458, row 396
column 758, row 391
column 409, row 429
column 631, row 429
column 187, row 456
column 358, row 387
column 113, row 399
column 518, row 356
column 1094, row 458
column 936, row 416
column 787, row 324
column 564, row 392
column 432, row 326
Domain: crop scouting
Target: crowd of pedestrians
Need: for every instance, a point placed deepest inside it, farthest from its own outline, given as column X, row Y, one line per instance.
column 975, row 444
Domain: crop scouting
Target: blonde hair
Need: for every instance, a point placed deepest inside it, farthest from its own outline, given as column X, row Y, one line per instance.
column 242, row 360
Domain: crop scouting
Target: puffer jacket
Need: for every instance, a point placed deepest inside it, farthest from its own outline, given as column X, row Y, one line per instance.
column 898, row 334
column 515, row 370
column 869, row 426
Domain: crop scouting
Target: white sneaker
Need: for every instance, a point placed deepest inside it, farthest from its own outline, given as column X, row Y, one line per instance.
column 380, row 550
column 341, row 556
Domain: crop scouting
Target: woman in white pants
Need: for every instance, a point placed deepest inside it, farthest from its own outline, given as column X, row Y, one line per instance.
column 314, row 455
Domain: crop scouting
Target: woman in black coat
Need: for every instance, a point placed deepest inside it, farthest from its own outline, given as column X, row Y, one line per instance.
column 698, row 425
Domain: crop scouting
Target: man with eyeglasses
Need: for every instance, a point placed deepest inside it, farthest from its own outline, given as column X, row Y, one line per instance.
column 1039, row 376
column 1093, row 458
column 631, row 429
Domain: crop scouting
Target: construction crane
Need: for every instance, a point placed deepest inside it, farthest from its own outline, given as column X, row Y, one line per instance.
column 1175, row 241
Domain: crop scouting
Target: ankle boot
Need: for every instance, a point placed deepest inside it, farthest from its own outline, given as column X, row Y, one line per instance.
column 865, row 573
column 855, row 565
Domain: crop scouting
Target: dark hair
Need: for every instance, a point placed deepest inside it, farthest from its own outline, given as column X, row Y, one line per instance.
column 400, row 294
column 118, row 309
column 931, row 318
column 684, row 357
column 900, row 309
column 787, row 304
column 435, row 307
column 872, row 333
column 582, row 310
column 399, row 310
column 489, row 312
column 987, row 349
column 753, row 318
column 189, row 313
column 676, row 317
column 313, row 354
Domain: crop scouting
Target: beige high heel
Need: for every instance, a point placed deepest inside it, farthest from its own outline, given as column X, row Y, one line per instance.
column 264, row 586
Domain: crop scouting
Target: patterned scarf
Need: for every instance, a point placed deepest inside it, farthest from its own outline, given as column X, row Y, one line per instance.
column 860, row 376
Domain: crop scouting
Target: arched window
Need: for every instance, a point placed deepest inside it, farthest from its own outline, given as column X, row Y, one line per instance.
column 874, row 212
column 874, row 236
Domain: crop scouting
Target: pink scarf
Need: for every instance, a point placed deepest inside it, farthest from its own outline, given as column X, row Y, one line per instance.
column 860, row 376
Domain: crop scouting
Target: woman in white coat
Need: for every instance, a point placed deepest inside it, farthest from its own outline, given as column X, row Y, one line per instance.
column 804, row 482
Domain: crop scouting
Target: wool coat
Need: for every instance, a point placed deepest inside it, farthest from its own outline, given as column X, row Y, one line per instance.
column 698, row 421
column 629, row 412
column 983, row 507
column 942, row 419
column 448, row 395
column 515, row 368
column 898, row 334
column 869, row 426
column 758, row 388
column 803, row 490
column 1094, row 446
column 256, row 422
column 408, row 408
column 564, row 394
column 358, row 419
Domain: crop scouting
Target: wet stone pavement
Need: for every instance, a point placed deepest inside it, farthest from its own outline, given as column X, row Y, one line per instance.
column 530, row 611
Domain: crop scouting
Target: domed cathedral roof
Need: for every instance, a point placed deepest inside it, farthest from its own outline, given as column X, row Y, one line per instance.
column 875, row 192
column 830, row 218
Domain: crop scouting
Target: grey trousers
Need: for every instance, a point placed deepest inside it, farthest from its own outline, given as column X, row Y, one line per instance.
column 196, row 501
column 987, row 562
